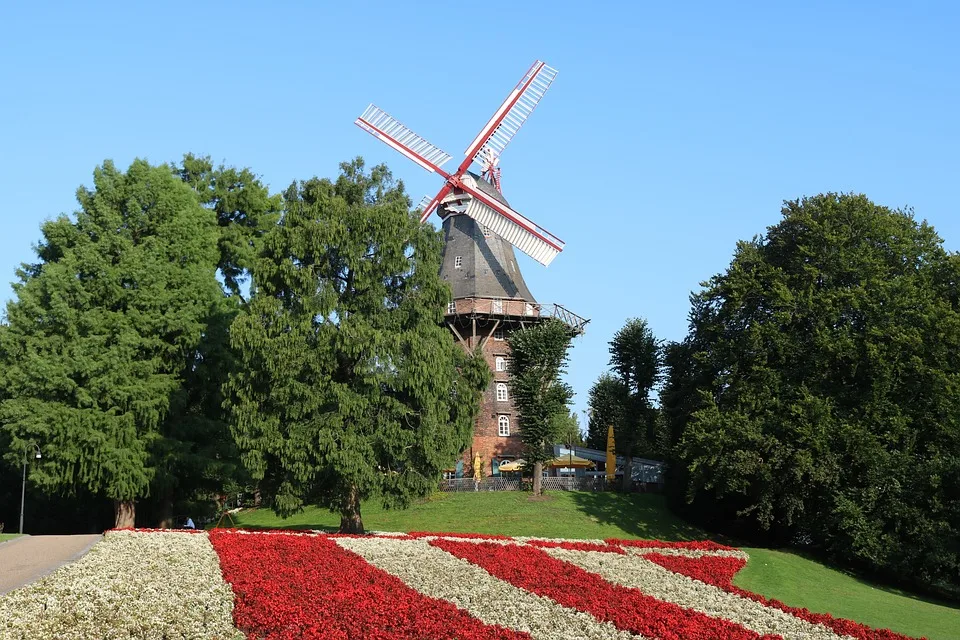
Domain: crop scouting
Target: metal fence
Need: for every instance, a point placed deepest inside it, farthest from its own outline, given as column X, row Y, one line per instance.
column 503, row 484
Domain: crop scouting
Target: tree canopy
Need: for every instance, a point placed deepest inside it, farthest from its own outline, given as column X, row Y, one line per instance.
column 349, row 386
column 623, row 397
column 538, row 361
column 816, row 396
column 101, row 329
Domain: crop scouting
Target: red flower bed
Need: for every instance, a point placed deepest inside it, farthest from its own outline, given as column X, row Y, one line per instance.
column 719, row 571
column 715, row 570
column 296, row 586
column 577, row 546
column 626, row 608
column 698, row 545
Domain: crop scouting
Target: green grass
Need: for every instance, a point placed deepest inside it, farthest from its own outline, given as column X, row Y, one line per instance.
column 8, row 536
column 564, row 514
column 801, row 582
column 786, row 576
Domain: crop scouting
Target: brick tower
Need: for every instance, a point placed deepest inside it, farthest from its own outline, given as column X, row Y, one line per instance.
column 490, row 300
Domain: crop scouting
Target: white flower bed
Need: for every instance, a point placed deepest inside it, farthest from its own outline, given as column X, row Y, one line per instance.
column 141, row 585
column 650, row 578
column 438, row 574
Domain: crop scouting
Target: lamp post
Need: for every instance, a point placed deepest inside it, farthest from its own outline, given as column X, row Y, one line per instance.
column 23, row 489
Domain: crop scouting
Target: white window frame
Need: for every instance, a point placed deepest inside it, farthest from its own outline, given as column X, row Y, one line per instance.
column 503, row 426
column 451, row 307
column 458, row 262
column 498, row 335
column 528, row 309
column 503, row 394
column 496, row 306
column 501, row 363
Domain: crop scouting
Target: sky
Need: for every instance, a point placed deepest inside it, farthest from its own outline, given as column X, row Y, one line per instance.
column 672, row 131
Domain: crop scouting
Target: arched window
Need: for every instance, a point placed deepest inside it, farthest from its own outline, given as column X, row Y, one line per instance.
column 501, row 392
column 501, row 363
column 503, row 425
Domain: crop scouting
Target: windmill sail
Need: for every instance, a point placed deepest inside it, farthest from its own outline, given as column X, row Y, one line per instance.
column 492, row 211
column 391, row 131
column 507, row 120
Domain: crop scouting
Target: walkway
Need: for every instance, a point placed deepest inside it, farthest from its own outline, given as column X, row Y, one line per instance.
column 24, row 559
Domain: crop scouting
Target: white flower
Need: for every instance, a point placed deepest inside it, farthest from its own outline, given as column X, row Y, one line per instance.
column 438, row 574
column 129, row 585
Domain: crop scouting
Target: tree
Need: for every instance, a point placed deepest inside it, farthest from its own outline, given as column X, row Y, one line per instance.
column 815, row 396
column 101, row 329
column 622, row 397
column 195, row 457
column 538, row 360
column 607, row 400
column 349, row 387
column 245, row 211
column 567, row 428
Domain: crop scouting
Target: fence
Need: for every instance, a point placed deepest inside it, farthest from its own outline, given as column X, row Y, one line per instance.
column 503, row 484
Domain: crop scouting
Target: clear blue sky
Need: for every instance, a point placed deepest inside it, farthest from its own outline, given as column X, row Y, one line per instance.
column 672, row 130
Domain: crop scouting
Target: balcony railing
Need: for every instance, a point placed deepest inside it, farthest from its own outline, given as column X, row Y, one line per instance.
column 517, row 308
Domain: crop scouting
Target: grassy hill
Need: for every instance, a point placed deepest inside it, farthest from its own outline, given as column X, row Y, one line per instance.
column 784, row 575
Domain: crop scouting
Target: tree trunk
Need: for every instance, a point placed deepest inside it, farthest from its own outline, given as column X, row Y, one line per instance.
column 537, row 478
column 627, row 484
column 350, row 520
column 124, row 514
column 166, row 513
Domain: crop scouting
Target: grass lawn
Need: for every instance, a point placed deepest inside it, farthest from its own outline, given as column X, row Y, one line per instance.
column 786, row 576
column 566, row 514
column 8, row 536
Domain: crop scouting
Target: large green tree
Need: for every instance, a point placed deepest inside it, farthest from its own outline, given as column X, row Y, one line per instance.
column 101, row 329
column 636, row 358
column 538, row 361
column 349, row 386
column 816, row 396
column 245, row 212
column 195, row 457
column 606, row 401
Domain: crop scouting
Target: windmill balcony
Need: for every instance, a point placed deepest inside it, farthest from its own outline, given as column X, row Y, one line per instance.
column 516, row 310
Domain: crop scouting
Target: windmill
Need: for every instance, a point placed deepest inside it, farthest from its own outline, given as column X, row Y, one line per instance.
column 490, row 297
column 460, row 192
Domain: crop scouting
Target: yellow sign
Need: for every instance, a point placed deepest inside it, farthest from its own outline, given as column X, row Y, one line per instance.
column 611, row 454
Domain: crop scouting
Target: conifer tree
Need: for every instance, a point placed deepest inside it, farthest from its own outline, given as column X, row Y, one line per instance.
column 538, row 360
column 349, row 387
column 100, row 329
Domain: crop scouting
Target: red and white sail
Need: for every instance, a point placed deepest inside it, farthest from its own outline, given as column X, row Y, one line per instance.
column 460, row 193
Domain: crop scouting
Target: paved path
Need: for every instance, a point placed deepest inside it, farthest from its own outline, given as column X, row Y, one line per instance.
column 24, row 559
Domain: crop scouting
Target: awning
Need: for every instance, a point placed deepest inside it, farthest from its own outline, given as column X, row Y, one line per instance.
column 570, row 462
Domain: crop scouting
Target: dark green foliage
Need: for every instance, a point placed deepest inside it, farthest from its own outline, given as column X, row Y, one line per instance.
column 622, row 398
column 348, row 385
column 102, row 329
column 636, row 358
column 244, row 208
column 817, row 393
column 538, row 360
column 606, row 401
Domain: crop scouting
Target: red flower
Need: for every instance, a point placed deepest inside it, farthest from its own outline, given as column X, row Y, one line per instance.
column 571, row 586
column 296, row 586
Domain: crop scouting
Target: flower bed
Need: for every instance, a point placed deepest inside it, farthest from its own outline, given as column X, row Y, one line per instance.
column 280, row 584
column 129, row 585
